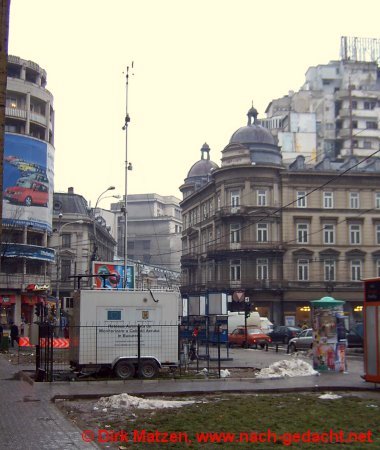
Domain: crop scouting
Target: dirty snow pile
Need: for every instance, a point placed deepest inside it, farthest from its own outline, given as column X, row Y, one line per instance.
column 287, row 368
column 329, row 396
column 125, row 401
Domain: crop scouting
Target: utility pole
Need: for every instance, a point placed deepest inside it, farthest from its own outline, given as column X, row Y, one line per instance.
column 4, row 32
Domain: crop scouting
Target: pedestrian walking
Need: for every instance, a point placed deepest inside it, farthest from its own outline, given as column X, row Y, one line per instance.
column 14, row 334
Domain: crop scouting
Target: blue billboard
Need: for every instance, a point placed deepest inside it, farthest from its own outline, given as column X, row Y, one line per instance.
column 113, row 275
column 28, row 182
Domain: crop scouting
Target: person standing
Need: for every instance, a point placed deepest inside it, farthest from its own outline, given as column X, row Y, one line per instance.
column 14, row 334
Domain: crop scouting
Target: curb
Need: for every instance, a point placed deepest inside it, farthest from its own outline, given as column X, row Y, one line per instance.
column 71, row 397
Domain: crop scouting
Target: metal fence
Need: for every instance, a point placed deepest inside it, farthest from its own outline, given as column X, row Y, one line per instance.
column 128, row 351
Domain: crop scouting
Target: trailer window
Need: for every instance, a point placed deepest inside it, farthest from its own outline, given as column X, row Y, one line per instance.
column 113, row 315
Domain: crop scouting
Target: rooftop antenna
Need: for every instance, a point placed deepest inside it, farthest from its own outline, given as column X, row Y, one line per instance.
column 128, row 166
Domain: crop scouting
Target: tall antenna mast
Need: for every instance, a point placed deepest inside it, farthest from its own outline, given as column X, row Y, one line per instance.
column 127, row 167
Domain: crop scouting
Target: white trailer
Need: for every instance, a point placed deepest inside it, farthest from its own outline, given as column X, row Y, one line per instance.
column 125, row 330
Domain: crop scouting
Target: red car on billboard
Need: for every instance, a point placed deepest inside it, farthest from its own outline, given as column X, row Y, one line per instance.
column 28, row 192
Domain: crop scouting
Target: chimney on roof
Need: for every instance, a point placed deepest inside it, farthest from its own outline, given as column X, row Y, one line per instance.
column 70, row 190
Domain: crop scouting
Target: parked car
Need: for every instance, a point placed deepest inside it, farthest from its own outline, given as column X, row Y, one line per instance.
column 354, row 336
column 28, row 193
column 284, row 334
column 255, row 337
column 303, row 341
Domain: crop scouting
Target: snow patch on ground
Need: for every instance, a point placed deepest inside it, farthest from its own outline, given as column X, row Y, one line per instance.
column 287, row 368
column 329, row 396
column 125, row 401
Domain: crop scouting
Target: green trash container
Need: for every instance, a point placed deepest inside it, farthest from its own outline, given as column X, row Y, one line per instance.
column 4, row 344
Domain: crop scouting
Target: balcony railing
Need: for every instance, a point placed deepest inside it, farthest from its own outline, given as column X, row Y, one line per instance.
column 189, row 258
column 38, row 118
column 245, row 246
column 15, row 112
column 229, row 285
column 231, row 211
column 19, row 281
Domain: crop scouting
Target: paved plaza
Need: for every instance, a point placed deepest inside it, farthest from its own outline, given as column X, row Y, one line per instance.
column 29, row 418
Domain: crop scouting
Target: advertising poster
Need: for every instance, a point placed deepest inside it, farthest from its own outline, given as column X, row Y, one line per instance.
column 328, row 353
column 116, row 272
column 28, row 182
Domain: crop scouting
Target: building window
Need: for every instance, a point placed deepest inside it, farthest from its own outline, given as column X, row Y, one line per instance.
column 218, row 234
column 302, row 233
column 235, row 198
column 329, row 234
column 354, row 200
column 328, row 200
column 371, row 125
column 355, row 234
column 205, row 211
column 356, row 266
column 235, row 270
column 377, row 200
column 218, row 202
column 262, row 269
column 303, row 269
column 378, row 268
column 66, row 240
column 11, row 102
column 65, row 269
column 301, row 199
column 235, row 233
column 354, row 104
column 370, row 105
column 146, row 245
column 262, row 232
column 377, row 234
column 262, row 197
column 367, row 144
column 329, row 270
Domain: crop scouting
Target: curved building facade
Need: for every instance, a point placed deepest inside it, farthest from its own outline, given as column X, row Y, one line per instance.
column 280, row 234
column 28, row 185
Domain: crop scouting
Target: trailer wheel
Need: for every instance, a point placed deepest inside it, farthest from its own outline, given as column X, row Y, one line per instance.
column 148, row 369
column 124, row 370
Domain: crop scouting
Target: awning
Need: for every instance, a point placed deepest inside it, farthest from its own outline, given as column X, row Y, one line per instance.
column 7, row 300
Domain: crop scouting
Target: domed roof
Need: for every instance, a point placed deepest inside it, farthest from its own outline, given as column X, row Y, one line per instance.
column 252, row 133
column 204, row 166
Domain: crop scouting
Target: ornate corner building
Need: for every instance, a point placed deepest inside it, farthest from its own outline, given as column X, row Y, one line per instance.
column 28, row 184
column 282, row 233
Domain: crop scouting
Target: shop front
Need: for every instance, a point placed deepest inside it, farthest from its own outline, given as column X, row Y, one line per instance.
column 7, row 309
column 297, row 314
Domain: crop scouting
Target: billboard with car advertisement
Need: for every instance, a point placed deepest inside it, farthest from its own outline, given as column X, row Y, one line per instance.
column 28, row 182
column 113, row 275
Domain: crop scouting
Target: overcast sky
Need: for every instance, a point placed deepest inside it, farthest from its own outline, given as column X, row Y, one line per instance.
column 198, row 65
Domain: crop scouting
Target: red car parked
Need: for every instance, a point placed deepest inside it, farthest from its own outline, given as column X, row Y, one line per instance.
column 255, row 337
column 29, row 193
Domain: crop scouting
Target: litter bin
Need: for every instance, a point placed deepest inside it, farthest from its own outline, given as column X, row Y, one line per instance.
column 4, row 344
